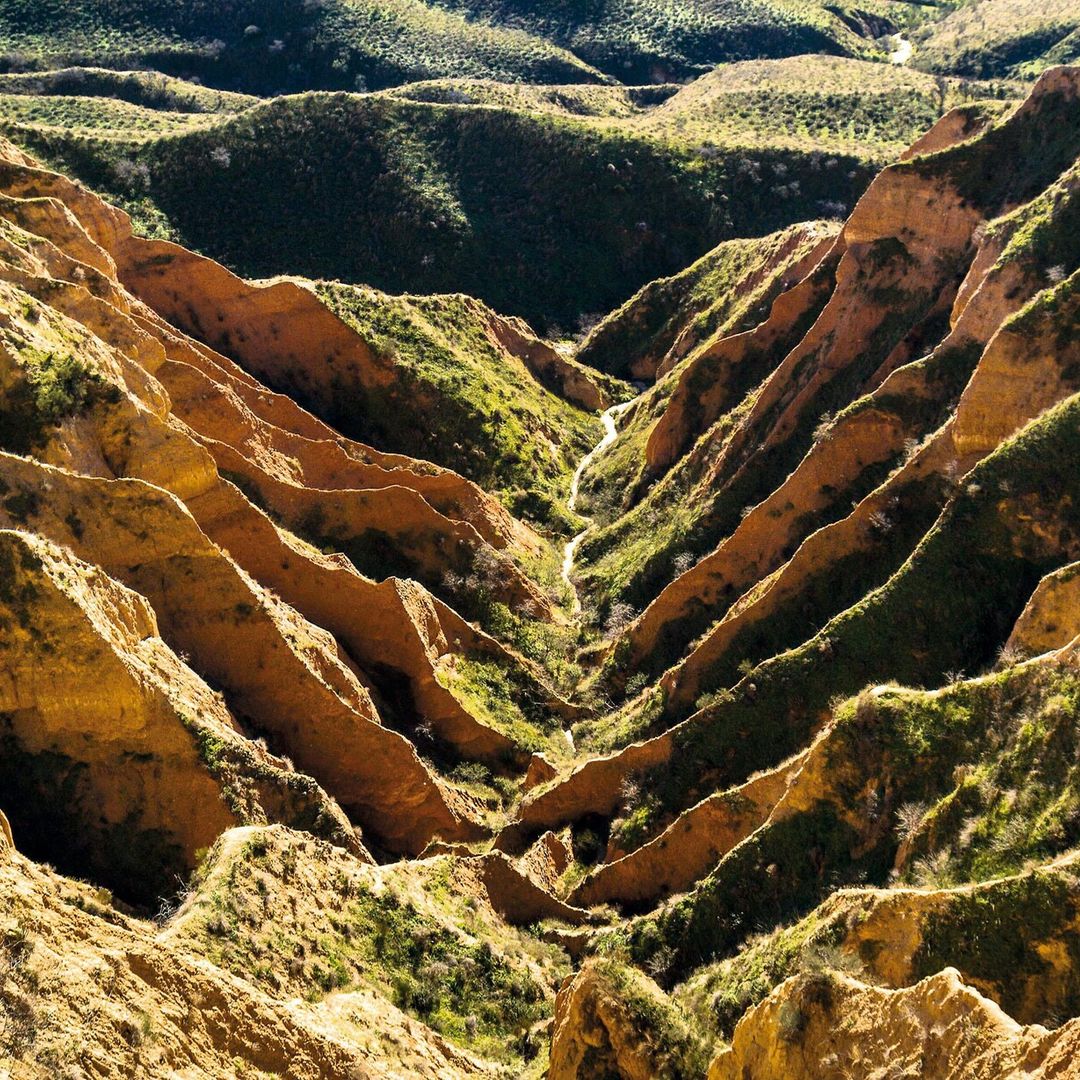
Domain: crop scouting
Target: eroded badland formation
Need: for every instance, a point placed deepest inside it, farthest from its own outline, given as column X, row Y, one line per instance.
column 312, row 767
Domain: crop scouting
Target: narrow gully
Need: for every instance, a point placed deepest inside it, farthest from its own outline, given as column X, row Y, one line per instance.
column 611, row 431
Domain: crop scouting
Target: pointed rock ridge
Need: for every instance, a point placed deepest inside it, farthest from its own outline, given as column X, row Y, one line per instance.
column 401, row 641
column 1028, row 366
column 614, row 1021
column 145, row 435
column 891, row 290
column 146, row 753
column 53, row 218
column 956, row 126
column 713, row 377
column 594, row 787
column 547, row 859
column 7, row 841
column 316, row 453
column 1051, row 619
column 668, row 319
column 940, row 1027
column 518, row 898
column 540, row 771
column 278, row 347
column 562, row 374
column 128, row 440
column 764, row 536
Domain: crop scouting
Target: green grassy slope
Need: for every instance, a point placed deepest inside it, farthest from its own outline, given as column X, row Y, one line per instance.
column 275, row 46
column 823, row 103
column 995, row 38
column 496, row 423
column 426, row 188
column 104, row 117
column 642, row 41
column 150, row 89
column 988, row 767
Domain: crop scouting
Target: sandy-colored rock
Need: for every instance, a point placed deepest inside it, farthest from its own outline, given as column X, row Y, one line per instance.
column 822, row 1026
column 95, row 991
column 564, row 375
column 547, row 859
column 516, row 896
column 275, row 667
column 138, row 741
column 1028, row 366
column 605, row 1026
column 594, row 787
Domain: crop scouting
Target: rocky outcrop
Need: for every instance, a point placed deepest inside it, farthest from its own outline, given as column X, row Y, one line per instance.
column 1051, row 618
column 83, row 985
column 816, row 1026
column 516, row 896
column 594, row 787
column 688, row 848
column 547, row 859
column 211, row 611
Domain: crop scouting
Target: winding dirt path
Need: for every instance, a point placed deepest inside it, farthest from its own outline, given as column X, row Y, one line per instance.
column 611, row 431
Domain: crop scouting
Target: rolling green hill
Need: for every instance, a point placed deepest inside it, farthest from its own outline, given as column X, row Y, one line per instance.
column 823, row 103
column 149, row 89
column 481, row 187
column 427, row 198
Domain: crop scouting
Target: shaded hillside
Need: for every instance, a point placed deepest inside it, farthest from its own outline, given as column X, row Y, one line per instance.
column 637, row 41
column 272, row 48
column 461, row 175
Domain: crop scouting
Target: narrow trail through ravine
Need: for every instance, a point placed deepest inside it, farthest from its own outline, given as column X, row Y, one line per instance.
column 611, row 431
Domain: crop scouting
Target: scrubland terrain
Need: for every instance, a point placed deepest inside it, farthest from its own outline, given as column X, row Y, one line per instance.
column 409, row 670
